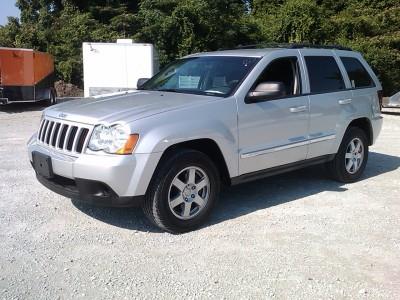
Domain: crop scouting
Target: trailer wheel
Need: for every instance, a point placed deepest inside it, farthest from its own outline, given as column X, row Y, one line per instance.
column 53, row 99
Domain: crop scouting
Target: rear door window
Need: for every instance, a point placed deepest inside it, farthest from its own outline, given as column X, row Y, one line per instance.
column 358, row 76
column 324, row 74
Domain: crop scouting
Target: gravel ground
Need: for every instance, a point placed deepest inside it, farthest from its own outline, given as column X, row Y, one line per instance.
column 297, row 235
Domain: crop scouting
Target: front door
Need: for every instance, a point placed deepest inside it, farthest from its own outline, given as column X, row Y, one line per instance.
column 273, row 131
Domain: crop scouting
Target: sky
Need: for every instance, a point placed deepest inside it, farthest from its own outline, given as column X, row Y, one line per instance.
column 7, row 8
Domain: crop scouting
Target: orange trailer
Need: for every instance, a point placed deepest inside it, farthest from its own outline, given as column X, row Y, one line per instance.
column 26, row 76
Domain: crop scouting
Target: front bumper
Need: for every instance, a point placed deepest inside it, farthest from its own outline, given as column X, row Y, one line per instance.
column 86, row 176
column 88, row 191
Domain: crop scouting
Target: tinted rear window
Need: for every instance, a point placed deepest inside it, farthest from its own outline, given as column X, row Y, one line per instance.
column 358, row 76
column 324, row 74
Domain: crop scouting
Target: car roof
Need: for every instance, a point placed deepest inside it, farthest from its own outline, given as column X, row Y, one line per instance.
column 237, row 52
column 261, row 52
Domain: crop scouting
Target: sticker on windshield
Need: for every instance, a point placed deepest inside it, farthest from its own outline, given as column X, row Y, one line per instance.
column 189, row 82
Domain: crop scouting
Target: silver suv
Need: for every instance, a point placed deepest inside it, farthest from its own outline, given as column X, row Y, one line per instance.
column 209, row 119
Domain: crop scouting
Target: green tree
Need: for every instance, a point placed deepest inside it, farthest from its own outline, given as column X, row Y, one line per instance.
column 178, row 28
column 374, row 30
column 9, row 32
column 299, row 21
column 369, row 26
column 69, row 31
column 60, row 26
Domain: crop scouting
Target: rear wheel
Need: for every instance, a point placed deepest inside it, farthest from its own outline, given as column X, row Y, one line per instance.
column 183, row 191
column 350, row 161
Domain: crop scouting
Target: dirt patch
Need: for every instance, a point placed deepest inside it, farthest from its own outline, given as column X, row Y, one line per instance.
column 65, row 89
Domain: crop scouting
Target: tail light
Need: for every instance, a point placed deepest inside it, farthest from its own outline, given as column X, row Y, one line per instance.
column 380, row 97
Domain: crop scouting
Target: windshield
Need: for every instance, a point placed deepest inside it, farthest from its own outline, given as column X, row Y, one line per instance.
column 204, row 75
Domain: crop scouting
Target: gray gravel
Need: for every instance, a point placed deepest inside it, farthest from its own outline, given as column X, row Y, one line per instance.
column 297, row 235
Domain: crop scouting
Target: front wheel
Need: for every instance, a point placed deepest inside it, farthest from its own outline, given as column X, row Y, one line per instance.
column 350, row 161
column 183, row 191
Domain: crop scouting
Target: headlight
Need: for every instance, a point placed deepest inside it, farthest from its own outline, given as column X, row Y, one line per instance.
column 115, row 139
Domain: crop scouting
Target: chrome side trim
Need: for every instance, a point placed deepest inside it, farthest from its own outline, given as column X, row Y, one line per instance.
column 288, row 146
column 345, row 101
column 274, row 149
column 322, row 139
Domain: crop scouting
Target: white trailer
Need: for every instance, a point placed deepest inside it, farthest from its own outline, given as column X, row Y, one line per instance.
column 116, row 67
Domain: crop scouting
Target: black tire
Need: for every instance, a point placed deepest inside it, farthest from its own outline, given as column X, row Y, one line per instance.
column 337, row 167
column 53, row 99
column 156, row 204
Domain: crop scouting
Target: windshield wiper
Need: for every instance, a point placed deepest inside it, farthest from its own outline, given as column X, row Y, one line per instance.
column 169, row 90
column 194, row 92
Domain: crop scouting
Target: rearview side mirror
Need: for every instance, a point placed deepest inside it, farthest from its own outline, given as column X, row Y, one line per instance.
column 141, row 81
column 265, row 91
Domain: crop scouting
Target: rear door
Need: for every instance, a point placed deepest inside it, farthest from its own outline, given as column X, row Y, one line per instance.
column 364, row 89
column 330, row 101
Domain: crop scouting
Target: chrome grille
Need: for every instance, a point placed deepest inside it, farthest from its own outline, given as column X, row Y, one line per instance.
column 63, row 136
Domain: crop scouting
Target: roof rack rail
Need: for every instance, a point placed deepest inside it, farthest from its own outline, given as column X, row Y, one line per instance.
column 292, row 46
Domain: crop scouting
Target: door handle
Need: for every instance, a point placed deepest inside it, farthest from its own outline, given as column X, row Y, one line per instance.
column 345, row 101
column 298, row 109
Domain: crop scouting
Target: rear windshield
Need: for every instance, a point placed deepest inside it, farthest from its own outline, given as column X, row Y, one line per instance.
column 358, row 76
column 205, row 75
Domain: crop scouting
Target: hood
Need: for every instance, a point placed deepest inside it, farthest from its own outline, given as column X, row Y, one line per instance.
column 126, row 108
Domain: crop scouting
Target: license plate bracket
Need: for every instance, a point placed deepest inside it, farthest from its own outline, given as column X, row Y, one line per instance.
column 42, row 164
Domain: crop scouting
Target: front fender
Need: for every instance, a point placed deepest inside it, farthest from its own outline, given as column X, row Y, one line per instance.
column 215, row 121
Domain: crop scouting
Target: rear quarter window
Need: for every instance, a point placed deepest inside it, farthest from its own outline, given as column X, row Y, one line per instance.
column 358, row 76
column 324, row 74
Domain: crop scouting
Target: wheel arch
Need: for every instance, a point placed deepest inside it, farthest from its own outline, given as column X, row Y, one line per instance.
column 365, row 125
column 207, row 146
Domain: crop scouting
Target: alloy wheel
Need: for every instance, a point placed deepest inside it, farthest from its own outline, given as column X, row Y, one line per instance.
column 354, row 155
column 188, row 193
